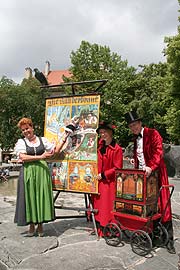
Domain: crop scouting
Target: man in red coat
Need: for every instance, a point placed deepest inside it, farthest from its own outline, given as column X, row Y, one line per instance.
column 148, row 156
column 110, row 158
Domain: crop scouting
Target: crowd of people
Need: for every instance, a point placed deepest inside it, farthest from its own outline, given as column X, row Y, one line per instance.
column 35, row 197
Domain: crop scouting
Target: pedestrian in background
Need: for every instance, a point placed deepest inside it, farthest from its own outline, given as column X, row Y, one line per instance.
column 148, row 156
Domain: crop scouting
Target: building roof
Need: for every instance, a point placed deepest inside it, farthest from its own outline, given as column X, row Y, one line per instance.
column 55, row 77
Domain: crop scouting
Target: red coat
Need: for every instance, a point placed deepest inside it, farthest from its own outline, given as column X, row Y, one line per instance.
column 107, row 163
column 153, row 155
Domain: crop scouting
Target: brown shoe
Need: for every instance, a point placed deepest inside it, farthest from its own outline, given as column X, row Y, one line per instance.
column 31, row 231
column 40, row 230
column 30, row 234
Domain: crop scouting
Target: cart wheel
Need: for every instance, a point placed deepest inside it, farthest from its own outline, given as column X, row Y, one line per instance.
column 149, row 231
column 160, row 236
column 112, row 234
column 141, row 243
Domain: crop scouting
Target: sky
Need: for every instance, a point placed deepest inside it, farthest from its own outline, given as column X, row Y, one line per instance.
column 33, row 32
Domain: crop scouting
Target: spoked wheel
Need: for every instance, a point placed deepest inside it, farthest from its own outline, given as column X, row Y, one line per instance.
column 149, row 231
column 112, row 234
column 141, row 243
column 161, row 237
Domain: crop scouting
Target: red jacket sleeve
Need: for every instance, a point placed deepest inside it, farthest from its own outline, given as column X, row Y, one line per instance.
column 117, row 160
column 154, row 153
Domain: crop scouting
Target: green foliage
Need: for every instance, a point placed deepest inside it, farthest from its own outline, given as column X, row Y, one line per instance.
column 25, row 100
column 145, row 90
column 172, row 118
column 152, row 83
column 94, row 62
column 173, row 124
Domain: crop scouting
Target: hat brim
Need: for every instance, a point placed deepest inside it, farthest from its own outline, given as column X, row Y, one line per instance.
column 104, row 127
column 134, row 120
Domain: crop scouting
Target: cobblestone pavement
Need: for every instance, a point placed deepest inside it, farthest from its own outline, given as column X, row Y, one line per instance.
column 69, row 245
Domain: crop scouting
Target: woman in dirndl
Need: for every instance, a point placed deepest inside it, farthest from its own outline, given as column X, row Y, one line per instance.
column 34, row 204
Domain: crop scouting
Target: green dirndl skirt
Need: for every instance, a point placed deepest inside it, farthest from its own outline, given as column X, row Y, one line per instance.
column 38, row 192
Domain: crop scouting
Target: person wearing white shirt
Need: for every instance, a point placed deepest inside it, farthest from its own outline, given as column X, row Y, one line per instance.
column 34, row 204
column 148, row 156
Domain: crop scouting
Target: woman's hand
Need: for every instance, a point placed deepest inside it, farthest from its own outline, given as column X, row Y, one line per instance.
column 47, row 155
column 99, row 177
column 28, row 158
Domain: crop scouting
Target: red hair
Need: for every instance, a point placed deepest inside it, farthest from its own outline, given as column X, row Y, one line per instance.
column 25, row 121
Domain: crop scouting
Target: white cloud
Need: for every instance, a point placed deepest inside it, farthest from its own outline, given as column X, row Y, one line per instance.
column 35, row 31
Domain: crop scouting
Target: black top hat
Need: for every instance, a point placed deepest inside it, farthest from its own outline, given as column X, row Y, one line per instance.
column 105, row 125
column 131, row 117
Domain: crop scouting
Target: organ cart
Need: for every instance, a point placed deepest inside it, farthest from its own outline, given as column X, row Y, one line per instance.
column 136, row 213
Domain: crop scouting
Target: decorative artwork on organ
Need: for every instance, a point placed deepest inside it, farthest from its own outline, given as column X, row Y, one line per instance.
column 136, row 194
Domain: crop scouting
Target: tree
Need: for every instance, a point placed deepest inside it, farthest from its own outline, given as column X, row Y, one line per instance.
column 151, row 96
column 172, row 53
column 95, row 62
column 25, row 100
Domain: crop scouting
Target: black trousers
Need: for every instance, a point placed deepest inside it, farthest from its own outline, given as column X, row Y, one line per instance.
column 169, row 227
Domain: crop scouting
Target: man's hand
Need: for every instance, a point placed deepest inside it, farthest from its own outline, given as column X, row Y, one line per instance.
column 148, row 171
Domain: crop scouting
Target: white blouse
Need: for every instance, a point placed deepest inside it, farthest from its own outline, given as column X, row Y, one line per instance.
column 20, row 146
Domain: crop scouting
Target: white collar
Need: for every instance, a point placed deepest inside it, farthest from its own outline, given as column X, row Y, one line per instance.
column 142, row 131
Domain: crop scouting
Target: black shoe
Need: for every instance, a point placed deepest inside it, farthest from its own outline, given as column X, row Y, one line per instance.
column 170, row 247
column 93, row 232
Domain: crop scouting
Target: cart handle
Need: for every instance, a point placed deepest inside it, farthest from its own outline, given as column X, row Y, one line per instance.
column 171, row 192
column 168, row 201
